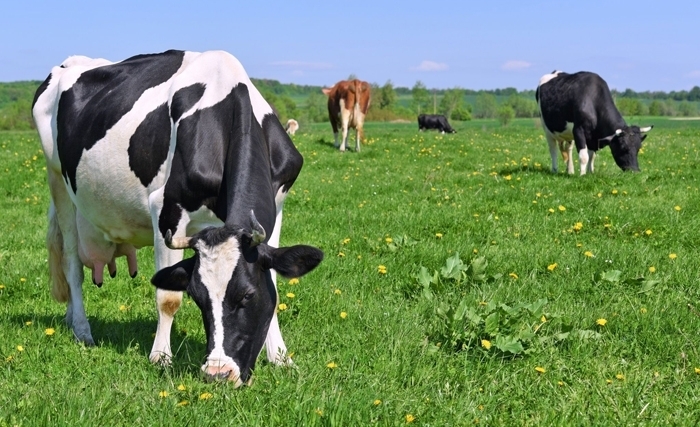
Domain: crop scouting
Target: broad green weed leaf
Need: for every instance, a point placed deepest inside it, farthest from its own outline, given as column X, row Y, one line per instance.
column 508, row 345
column 492, row 323
column 648, row 285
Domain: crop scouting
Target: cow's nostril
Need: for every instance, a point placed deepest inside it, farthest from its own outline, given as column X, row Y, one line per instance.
column 219, row 376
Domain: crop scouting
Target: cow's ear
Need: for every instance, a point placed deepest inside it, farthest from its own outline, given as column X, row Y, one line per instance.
column 644, row 136
column 175, row 277
column 326, row 91
column 294, row 261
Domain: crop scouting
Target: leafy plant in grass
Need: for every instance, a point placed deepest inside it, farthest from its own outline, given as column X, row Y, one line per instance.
column 453, row 275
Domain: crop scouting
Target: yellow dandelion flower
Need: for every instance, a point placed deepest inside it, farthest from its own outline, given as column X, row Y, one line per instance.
column 20, row 348
column 600, row 194
column 377, row 402
column 614, row 191
column 318, row 412
column 2, row 286
column 589, row 254
column 551, row 267
column 346, row 241
column 28, row 322
column 601, row 322
column 294, row 281
column 652, row 269
column 388, row 240
column 543, row 319
column 513, row 275
column 550, row 210
column 282, row 307
column 608, row 381
column 540, row 369
column 163, row 394
column 507, row 177
column 337, row 292
column 381, row 269
column 22, row 279
column 181, row 387
column 341, row 254
column 438, row 235
column 332, row 365
column 562, row 208
column 475, row 251
column 410, row 418
column 672, row 256
column 343, row 315
column 643, row 310
column 578, row 226
column 697, row 371
column 648, row 232
column 486, row 344
column 205, row 396
column 290, row 295
column 183, row 403
column 677, row 208
column 560, row 383
column 620, row 377
column 49, row 331
column 123, row 307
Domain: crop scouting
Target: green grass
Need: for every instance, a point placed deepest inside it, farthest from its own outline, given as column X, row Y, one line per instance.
column 488, row 191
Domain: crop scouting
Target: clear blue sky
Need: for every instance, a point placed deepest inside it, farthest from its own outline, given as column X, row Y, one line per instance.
column 642, row 45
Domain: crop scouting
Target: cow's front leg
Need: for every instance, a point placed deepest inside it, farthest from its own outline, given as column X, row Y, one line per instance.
column 275, row 348
column 591, row 161
column 553, row 152
column 581, row 147
column 167, row 302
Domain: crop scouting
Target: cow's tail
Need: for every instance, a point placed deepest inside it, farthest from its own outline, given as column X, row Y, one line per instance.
column 54, row 242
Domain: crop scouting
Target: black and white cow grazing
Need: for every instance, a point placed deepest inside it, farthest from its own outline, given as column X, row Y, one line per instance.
column 579, row 108
column 434, row 121
column 158, row 147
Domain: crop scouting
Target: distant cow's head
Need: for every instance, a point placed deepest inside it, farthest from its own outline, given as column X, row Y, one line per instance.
column 625, row 144
column 230, row 280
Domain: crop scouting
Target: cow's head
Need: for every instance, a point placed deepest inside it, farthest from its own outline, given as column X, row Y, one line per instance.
column 625, row 144
column 230, row 280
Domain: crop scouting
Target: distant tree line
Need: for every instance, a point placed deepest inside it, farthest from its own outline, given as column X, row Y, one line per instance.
column 307, row 103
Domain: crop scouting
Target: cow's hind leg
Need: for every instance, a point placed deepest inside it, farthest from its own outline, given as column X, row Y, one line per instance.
column 553, row 151
column 66, row 269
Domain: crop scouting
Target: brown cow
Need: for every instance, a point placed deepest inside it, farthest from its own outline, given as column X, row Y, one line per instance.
column 348, row 102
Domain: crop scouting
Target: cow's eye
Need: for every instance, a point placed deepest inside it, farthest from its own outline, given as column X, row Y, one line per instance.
column 248, row 296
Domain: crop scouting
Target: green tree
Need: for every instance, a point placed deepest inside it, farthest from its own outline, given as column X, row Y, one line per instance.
column 316, row 109
column 485, row 106
column 523, row 107
column 687, row 109
column 386, row 96
column 656, row 108
column 451, row 100
column 505, row 114
column 630, row 106
column 421, row 98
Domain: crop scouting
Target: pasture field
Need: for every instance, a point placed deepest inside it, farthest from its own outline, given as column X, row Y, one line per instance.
column 463, row 284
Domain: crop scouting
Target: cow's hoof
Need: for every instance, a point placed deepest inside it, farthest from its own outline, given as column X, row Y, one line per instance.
column 133, row 276
column 159, row 358
column 86, row 340
column 113, row 274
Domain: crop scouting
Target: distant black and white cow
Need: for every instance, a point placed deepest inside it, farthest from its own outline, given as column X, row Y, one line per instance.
column 156, row 148
column 579, row 108
column 434, row 121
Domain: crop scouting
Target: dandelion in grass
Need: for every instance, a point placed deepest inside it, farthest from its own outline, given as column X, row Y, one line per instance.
column 648, row 232
column 652, row 269
column 22, row 279
column 337, row 292
column 677, row 208
column 20, row 348
column 49, row 331
column 620, row 377
column 381, row 269
column 562, row 208
column 341, row 254
column 578, row 226
column 205, row 396
column 410, row 418
column 388, row 240
column 318, row 412
column 550, row 210
column 672, row 256
column 475, row 251
column 552, row 267
column 600, row 194
column 290, row 295
column 614, row 191
column 588, row 254
column 181, row 387
column 643, row 310
column 331, row 365
column 543, row 319
column 608, row 381
column 183, row 403
column 343, row 315
column 282, row 307
column 2, row 286
column 540, row 369
column 294, row 281
column 438, row 235
column 123, row 307
column 697, row 371
column 346, row 241
column 513, row 276
column 163, row 394
column 486, row 344
column 377, row 402
column 560, row 383
column 601, row 322
column 28, row 322
column 508, row 177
